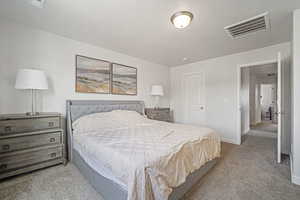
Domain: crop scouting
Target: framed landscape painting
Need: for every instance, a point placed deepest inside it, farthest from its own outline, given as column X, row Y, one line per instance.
column 92, row 75
column 124, row 79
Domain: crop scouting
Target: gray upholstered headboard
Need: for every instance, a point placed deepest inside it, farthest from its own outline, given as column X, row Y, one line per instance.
column 79, row 108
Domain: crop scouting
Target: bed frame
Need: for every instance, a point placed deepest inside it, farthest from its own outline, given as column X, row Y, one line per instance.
column 107, row 188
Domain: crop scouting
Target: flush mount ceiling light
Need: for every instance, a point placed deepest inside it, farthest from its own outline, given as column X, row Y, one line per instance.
column 181, row 19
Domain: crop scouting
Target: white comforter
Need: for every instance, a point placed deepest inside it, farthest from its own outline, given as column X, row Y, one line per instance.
column 150, row 157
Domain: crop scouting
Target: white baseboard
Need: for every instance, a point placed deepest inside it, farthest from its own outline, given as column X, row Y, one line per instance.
column 232, row 141
column 246, row 131
column 296, row 179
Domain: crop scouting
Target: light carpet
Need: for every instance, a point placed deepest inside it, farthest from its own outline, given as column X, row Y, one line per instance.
column 265, row 126
column 244, row 172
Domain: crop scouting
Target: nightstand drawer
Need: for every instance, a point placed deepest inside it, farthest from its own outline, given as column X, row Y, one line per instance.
column 164, row 115
column 161, row 114
column 22, row 160
column 28, row 125
column 25, row 142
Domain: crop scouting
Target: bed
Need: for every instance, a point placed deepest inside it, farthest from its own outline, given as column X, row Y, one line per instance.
column 125, row 156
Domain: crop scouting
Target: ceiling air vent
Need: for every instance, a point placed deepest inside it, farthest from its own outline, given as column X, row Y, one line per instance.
column 254, row 24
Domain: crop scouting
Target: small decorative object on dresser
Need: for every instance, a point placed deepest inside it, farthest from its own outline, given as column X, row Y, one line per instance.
column 29, row 143
column 161, row 114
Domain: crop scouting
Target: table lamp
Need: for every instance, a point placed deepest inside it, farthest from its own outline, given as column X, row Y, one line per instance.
column 157, row 91
column 31, row 79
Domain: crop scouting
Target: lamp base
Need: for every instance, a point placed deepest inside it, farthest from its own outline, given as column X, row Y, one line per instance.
column 156, row 102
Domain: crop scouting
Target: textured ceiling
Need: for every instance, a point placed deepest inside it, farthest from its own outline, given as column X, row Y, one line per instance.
column 143, row 29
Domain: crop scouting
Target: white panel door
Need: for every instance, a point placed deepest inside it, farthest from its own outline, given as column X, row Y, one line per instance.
column 279, row 114
column 194, row 90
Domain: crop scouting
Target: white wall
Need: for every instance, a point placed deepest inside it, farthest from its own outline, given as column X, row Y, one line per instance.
column 286, row 108
column 25, row 47
column 257, row 104
column 252, row 98
column 255, row 107
column 221, row 87
column 267, row 96
column 296, row 98
column 245, row 99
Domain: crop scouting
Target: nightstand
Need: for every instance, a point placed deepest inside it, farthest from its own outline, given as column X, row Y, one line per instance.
column 161, row 114
column 29, row 143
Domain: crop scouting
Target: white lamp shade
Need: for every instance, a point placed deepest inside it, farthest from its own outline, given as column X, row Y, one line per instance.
column 157, row 90
column 31, row 79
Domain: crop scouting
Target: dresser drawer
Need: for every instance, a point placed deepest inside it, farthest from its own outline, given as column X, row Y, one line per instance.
column 28, row 125
column 22, row 160
column 25, row 142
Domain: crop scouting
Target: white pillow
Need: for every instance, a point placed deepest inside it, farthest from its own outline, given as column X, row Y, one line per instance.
column 107, row 120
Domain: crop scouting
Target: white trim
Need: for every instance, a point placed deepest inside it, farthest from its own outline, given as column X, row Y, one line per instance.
column 295, row 179
column 291, row 162
column 258, row 63
column 279, row 106
column 238, row 108
column 248, row 129
column 229, row 140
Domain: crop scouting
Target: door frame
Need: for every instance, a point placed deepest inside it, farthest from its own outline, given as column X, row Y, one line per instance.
column 238, row 110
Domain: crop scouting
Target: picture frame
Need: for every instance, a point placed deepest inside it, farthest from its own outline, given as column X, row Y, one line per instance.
column 92, row 75
column 124, row 79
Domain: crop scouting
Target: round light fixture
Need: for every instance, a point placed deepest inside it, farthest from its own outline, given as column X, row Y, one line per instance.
column 181, row 19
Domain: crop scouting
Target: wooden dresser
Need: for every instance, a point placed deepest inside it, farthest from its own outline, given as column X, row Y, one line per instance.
column 161, row 114
column 28, row 143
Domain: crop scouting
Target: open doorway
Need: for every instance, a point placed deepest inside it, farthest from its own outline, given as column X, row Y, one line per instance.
column 256, row 81
column 264, row 99
column 258, row 98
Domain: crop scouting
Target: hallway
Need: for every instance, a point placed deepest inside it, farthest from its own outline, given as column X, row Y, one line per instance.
column 264, row 129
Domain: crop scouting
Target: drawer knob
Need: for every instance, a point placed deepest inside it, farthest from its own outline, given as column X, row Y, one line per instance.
column 53, row 155
column 51, row 124
column 5, row 147
column 52, row 139
column 7, row 128
column 3, row 166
